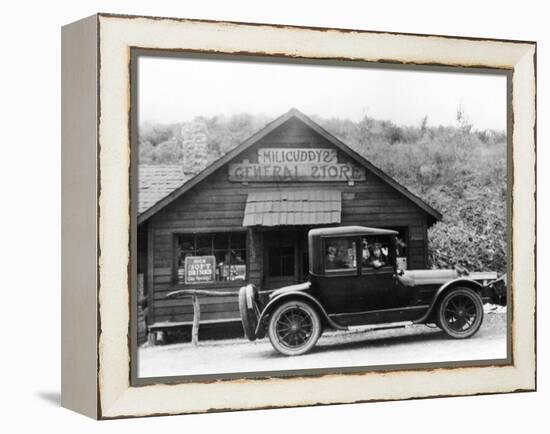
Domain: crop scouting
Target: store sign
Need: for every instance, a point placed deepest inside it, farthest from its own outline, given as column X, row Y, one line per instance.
column 295, row 164
column 297, row 155
column 200, row 269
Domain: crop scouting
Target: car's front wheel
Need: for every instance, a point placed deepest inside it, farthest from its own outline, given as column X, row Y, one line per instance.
column 294, row 328
column 460, row 313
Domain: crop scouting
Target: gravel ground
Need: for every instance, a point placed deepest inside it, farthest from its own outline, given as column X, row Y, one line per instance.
column 412, row 344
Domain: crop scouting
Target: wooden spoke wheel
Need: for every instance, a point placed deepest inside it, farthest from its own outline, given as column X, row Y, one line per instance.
column 294, row 328
column 460, row 313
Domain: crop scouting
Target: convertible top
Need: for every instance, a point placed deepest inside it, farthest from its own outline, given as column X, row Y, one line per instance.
column 350, row 230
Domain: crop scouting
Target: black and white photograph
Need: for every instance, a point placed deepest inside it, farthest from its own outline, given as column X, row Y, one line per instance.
column 297, row 217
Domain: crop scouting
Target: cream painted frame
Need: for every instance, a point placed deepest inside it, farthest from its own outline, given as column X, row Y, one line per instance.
column 96, row 215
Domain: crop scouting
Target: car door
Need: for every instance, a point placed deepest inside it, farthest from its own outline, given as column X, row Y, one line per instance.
column 362, row 286
column 377, row 289
column 340, row 289
column 377, row 276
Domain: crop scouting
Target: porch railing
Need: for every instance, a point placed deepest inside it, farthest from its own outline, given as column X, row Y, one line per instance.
column 194, row 294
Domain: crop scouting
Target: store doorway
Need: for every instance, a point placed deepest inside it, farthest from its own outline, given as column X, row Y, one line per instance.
column 285, row 258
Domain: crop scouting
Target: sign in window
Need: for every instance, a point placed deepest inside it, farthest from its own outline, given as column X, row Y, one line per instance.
column 200, row 269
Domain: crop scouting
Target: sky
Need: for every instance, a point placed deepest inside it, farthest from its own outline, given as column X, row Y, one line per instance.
column 172, row 89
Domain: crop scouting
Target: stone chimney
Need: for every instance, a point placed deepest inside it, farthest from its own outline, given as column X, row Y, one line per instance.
column 194, row 143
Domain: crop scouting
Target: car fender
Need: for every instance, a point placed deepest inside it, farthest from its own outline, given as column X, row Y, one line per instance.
column 460, row 281
column 293, row 295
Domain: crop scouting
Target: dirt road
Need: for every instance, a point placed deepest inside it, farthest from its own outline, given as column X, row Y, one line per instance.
column 413, row 344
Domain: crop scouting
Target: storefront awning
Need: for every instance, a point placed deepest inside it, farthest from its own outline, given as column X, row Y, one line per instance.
column 292, row 207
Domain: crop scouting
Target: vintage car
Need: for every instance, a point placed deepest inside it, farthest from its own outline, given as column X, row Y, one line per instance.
column 354, row 280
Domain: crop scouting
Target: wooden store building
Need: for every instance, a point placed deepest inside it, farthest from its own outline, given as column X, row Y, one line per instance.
column 245, row 218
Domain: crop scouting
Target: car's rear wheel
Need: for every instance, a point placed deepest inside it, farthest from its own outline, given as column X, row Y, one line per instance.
column 294, row 328
column 460, row 313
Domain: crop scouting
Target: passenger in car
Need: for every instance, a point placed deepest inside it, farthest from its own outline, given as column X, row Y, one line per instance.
column 378, row 259
column 365, row 254
column 331, row 258
column 333, row 261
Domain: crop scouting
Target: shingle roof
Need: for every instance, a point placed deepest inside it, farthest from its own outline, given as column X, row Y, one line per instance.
column 349, row 230
column 292, row 207
column 157, row 181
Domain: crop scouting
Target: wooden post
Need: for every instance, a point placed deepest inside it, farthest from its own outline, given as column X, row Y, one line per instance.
column 196, row 320
column 152, row 337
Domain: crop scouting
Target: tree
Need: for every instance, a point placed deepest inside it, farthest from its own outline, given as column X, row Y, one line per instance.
column 394, row 134
column 424, row 125
column 464, row 128
column 155, row 133
column 168, row 152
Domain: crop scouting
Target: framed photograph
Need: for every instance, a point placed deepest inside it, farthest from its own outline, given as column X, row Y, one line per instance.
column 262, row 216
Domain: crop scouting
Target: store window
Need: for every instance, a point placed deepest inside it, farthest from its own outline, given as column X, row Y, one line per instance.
column 228, row 251
column 340, row 254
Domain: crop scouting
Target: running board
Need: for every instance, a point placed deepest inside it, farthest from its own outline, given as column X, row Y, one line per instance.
column 391, row 325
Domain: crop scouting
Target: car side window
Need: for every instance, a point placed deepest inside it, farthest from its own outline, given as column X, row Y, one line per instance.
column 374, row 252
column 340, row 254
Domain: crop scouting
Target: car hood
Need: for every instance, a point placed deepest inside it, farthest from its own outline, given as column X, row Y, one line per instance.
column 290, row 288
column 427, row 277
column 438, row 277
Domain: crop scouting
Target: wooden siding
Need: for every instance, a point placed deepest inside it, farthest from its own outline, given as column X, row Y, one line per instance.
column 217, row 205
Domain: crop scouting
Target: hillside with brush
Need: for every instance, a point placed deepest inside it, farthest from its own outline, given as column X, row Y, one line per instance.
column 457, row 169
